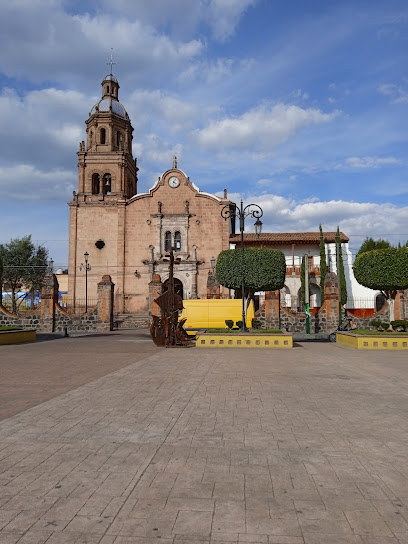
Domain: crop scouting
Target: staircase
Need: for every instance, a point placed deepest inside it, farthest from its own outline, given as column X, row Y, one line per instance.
column 131, row 321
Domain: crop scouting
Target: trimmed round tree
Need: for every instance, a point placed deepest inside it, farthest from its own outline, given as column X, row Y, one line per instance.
column 385, row 270
column 264, row 269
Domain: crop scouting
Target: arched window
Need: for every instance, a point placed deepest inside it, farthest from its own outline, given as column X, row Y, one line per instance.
column 103, row 136
column 167, row 241
column 107, row 183
column 118, row 138
column 107, row 89
column 177, row 241
column 95, row 184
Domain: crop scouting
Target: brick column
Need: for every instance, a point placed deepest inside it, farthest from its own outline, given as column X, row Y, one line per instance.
column 49, row 298
column 213, row 287
column 272, row 318
column 155, row 290
column 331, row 302
column 105, row 304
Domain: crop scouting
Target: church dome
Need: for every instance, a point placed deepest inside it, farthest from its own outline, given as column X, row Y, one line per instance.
column 105, row 105
column 110, row 100
column 110, row 77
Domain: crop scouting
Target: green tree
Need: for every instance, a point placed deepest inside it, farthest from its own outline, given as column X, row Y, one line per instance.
column 323, row 265
column 385, row 270
column 340, row 273
column 303, row 280
column 264, row 269
column 369, row 244
column 24, row 266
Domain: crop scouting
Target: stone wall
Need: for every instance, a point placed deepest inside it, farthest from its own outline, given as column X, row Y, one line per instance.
column 50, row 317
column 326, row 320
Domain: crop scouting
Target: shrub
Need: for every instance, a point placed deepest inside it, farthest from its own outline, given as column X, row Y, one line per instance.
column 239, row 324
column 256, row 324
column 229, row 323
column 400, row 323
column 375, row 323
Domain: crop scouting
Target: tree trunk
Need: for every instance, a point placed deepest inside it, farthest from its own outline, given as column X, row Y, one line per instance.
column 391, row 303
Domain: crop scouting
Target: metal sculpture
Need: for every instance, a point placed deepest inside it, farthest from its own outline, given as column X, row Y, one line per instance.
column 167, row 331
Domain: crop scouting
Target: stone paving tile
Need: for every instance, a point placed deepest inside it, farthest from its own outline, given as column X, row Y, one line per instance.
column 199, row 447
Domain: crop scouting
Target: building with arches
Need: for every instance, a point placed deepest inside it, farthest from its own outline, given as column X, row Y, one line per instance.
column 127, row 234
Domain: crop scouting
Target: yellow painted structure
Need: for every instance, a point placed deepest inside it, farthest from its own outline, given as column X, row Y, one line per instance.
column 17, row 337
column 372, row 342
column 212, row 313
column 251, row 340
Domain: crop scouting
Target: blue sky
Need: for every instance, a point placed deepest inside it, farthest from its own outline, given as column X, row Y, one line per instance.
column 298, row 106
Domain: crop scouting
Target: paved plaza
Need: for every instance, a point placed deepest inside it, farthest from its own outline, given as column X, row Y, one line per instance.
column 122, row 442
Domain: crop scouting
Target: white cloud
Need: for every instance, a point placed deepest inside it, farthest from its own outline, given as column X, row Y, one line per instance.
column 260, row 129
column 42, row 127
column 397, row 93
column 183, row 17
column 370, row 162
column 174, row 113
column 25, row 183
column 224, row 16
column 158, row 151
column 356, row 219
column 69, row 46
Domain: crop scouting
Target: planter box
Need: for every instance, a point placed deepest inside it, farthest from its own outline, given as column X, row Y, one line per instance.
column 252, row 340
column 382, row 342
column 17, row 337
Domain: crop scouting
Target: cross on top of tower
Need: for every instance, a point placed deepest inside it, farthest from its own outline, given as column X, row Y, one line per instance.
column 111, row 63
column 174, row 161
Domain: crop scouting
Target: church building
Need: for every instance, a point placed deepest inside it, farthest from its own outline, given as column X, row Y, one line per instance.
column 117, row 231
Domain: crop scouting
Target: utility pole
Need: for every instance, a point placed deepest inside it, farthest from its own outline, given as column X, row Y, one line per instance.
column 307, row 294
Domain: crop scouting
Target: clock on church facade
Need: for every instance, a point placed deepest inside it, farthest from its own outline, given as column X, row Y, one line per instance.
column 127, row 234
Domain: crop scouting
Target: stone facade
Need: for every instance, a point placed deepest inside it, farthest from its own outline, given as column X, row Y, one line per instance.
column 127, row 235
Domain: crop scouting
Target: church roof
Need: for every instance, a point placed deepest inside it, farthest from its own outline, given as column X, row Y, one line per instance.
column 110, row 77
column 104, row 105
column 288, row 237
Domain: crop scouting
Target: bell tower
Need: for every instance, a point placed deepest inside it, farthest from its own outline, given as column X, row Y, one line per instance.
column 107, row 171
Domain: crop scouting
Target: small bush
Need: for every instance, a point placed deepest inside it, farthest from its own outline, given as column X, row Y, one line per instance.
column 256, row 324
column 239, row 324
column 400, row 324
column 375, row 323
column 229, row 323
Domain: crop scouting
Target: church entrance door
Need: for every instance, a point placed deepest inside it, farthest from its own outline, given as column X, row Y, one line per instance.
column 178, row 287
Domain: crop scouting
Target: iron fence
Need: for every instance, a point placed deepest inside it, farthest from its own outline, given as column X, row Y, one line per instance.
column 78, row 306
column 368, row 303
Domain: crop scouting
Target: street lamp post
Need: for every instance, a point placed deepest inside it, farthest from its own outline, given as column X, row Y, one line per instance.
column 252, row 210
column 87, row 267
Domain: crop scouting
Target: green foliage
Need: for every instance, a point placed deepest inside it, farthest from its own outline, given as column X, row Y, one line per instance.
column 24, row 266
column 400, row 324
column 229, row 323
column 383, row 269
column 340, row 272
column 263, row 269
column 370, row 244
column 256, row 324
column 303, row 279
column 239, row 324
column 323, row 265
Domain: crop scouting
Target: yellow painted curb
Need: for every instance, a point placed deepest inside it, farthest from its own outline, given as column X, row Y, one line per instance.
column 17, row 337
column 244, row 341
column 372, row 342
